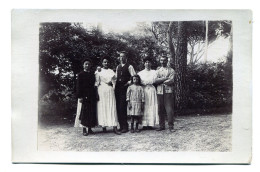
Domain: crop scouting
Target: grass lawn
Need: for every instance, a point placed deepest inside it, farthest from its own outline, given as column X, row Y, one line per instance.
column 210, row 133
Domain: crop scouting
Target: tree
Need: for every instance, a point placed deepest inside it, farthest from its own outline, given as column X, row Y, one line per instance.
column 57, row 47
column 181, row 67
column 195, row 51
column 170, row 42
column 179, row 35
column 206, row 41
column 196, row 41
column 139, row 47
column 64, row 45
column 62, row 48
column 219, row 28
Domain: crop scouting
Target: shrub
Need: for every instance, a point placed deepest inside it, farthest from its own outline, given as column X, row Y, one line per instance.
column 210, row 85
column 55, row 107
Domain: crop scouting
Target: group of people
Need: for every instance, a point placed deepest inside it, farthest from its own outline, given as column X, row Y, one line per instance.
column 106, row 98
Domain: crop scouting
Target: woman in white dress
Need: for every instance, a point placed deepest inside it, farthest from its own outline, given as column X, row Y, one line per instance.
column 148, row 77
column 106, row 106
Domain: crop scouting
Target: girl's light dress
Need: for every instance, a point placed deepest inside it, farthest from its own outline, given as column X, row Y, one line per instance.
column 135, row 95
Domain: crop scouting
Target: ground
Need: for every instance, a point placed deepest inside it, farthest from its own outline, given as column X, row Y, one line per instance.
column 210, row 133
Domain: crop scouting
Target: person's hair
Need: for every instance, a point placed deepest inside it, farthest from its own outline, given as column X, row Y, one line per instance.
column 103, row 58
column 124, row 52
column 136, row 76
column 164, row 56
column 147, row 59
column 86, row 59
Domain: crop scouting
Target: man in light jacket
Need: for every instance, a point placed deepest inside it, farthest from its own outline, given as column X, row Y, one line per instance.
column 164, row 81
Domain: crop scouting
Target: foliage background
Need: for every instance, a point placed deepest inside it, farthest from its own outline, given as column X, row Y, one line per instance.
column 64, row 45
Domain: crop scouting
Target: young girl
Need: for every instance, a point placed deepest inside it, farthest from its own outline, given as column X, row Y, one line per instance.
column 135, row 100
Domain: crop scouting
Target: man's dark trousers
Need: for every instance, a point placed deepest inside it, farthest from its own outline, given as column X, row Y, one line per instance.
column 121, row 105
column 166, row 103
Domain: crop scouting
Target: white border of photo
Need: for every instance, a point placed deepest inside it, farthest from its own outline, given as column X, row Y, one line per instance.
column 25, row 67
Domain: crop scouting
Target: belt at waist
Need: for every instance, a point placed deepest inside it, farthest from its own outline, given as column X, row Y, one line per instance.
column 149, row 85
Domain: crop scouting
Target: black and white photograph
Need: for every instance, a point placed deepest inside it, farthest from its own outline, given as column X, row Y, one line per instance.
column 139, row 85
column 148, row 86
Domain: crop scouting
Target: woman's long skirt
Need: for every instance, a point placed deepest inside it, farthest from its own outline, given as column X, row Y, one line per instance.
column 86, row 114
column 150, row 117
column 106, row 106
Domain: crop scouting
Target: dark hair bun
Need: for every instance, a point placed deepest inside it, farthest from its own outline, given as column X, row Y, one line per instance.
column 103, row 58
column 147, row 59
column 86, row 59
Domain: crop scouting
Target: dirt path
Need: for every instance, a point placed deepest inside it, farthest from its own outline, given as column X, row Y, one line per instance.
column 193, row 133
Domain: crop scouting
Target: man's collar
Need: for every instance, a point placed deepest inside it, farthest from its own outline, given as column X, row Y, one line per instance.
column 123, row 64
column 164, row 67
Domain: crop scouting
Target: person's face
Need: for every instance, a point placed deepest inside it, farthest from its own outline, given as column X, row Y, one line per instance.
column 147, row 64
column 105, row 63
column 163, row 61
column 86, row 65
column 122, row 58
column 135, row 80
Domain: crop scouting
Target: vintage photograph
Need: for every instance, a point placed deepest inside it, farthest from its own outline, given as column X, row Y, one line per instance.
column 132, row 86
column 144, row 86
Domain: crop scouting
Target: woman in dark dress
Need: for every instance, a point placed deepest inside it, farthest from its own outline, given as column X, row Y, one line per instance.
column 86, row 93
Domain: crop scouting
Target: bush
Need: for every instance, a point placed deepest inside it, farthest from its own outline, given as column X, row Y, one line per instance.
column 56, row 107
column 210, row 85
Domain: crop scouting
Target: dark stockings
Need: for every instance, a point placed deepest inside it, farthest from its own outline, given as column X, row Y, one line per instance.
column 134, row 118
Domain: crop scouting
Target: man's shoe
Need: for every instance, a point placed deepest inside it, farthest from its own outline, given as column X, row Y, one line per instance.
column 85, row 134
column 160, row 129
column 171, row 130
column 150, row 128
column 137, row 130
column 90, row 131
column 124, row 131
column 117, row 132
column 120, row 129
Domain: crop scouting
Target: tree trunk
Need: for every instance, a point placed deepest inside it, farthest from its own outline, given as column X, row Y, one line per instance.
column 206, row 41
column 171, row 46
column 192, row 54
column 180, row 68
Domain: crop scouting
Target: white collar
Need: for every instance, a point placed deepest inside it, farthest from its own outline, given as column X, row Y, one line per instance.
column 164, row 67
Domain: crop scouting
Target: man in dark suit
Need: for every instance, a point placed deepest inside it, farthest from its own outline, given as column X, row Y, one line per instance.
column 124, row 71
